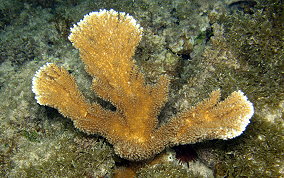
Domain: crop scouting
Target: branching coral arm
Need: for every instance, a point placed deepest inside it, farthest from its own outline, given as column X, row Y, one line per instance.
column 56, row 88
column 107, row 41
column 211, row 119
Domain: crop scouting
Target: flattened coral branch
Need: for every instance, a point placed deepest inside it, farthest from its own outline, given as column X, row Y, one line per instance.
column 211, row 119
column 106, row 41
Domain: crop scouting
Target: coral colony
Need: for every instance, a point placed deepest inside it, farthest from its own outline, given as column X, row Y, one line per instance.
column 106, row 41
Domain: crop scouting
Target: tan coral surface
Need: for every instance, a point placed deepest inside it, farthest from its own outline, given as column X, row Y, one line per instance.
column 106, row 41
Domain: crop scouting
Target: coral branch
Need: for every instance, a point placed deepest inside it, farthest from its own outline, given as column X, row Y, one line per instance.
column 212, row 119
column 106, row 41
column 54, row 87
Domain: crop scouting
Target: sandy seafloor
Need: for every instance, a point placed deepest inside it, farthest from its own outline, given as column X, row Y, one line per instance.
column 202, row 45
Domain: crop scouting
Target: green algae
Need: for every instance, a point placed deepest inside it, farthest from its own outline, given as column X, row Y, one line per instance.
column 256, row 40
column 32, row 136
column 166, row 170
column 66, row 160
column 259, row 151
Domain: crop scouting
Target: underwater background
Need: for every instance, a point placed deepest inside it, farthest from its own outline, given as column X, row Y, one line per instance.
column 202, row 45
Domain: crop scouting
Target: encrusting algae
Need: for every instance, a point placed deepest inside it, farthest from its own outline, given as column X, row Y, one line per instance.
column 107, row 41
